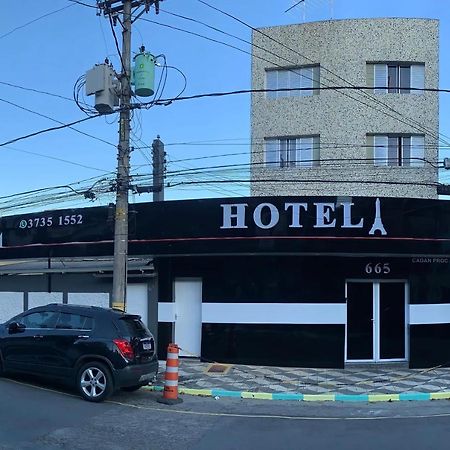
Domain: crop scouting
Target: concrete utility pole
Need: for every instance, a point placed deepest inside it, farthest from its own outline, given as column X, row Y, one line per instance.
column 112, row 8
column 123, row 170
column 158, row 170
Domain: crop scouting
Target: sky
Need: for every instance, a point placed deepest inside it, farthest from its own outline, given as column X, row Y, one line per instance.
column 50, row 53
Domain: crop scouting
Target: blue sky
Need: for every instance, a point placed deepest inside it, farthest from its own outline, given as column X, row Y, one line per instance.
column 51, row 53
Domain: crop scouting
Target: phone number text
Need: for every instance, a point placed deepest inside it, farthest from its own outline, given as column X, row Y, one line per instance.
column 50, row 221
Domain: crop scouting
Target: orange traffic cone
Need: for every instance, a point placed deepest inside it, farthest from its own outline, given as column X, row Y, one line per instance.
column 170, row 393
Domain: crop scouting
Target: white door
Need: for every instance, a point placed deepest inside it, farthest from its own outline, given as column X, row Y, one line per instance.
column 137, row 300
column 188, row 316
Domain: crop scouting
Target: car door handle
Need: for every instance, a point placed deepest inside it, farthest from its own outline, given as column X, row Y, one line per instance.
column 38, row 336
column 83, row 336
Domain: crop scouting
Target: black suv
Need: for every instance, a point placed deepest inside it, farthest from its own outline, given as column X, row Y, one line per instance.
column 96, row 349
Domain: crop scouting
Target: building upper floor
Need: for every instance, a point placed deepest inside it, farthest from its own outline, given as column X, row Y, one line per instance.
column 354, row 97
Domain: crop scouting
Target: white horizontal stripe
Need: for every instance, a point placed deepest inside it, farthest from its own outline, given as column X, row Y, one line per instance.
column 275, row 313
column 429, row 314
column 166, row 312
column 171, row 355
column 172, row 369
column 171, row 383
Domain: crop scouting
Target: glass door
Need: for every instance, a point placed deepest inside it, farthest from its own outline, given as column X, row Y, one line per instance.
column 360, row 321
column 376, row 321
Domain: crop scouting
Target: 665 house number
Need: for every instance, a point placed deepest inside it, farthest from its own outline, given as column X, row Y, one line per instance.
column 50, row 221
column 377, row 268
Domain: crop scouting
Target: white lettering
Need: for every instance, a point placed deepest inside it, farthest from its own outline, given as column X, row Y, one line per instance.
column 274, row 216
column 236, row 213
column 323, row 215
column 347, row 211
column 296, row 207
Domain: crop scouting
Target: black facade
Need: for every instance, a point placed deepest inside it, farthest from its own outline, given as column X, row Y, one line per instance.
column 306, row 282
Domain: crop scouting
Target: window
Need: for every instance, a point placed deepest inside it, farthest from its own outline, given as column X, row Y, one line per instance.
column 396, row 78
column 74, row 322
column 43, row 319
column 292, row 152
column 397, row 150
column 295, row 78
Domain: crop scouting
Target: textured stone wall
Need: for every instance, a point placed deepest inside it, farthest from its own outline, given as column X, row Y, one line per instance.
column 344, row 118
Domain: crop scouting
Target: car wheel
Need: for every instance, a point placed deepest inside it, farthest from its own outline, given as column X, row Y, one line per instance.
column 94, row 382
column 132, row 388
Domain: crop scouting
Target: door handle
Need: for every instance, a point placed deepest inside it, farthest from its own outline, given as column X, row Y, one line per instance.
column 38, row 336
column 83, row 336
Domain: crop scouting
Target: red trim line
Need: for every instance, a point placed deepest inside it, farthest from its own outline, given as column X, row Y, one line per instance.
column 242, row 238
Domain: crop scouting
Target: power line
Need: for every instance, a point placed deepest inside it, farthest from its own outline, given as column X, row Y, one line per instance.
column 409, row 121
column 83, row 4
column 293, row 6
column 36, row 90
column 323, row 67
column 55, row 159
column 319, row 180
column 56, row 121
column 46, row 130
column 164, row 102
column 34, row 20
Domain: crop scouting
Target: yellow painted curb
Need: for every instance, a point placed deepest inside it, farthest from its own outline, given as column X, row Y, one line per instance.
column 258, row 395
column 440, row 395
column 188, row 391
column 319, row 397
column 384, row 397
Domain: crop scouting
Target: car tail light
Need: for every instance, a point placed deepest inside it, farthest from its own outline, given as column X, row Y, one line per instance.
column 125, row 348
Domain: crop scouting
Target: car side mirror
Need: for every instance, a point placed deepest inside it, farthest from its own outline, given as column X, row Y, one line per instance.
column 16, row 327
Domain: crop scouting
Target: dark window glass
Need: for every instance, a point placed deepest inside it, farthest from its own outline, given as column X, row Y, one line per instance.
column 393, row 151
column 359, row 321
column 74, row 322
column 392, row 79
column 405, row 79
column 133, row 327
column 392, row 320
column 284, row 154
column 42, row 319
column 406, row 151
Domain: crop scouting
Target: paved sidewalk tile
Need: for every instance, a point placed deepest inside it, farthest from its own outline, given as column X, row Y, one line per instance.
column 354, row 382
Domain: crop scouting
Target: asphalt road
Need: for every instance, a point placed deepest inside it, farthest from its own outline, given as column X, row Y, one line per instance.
column 40, row 416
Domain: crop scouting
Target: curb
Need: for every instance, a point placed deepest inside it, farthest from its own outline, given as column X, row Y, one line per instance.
column 371, row 398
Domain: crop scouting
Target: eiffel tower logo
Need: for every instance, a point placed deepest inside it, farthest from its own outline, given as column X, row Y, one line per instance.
column 378, row 223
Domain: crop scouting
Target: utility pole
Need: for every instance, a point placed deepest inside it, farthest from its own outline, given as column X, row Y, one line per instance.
column 119, row 291
column 112, row 8
column 158, row 170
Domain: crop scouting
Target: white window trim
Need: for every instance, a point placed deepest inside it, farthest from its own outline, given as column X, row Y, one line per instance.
column 306, row 76
column 380, row 77
column 381, row 151
column 272, row 152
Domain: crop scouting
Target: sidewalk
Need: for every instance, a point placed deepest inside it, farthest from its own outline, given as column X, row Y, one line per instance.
column 358, row 383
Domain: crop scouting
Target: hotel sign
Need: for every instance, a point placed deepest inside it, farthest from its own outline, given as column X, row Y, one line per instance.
column 267, row 216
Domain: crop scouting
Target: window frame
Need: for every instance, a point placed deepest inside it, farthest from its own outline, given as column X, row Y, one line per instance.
column 389, row 77
column 279, row 152
column 295, row 77
column 397, row 150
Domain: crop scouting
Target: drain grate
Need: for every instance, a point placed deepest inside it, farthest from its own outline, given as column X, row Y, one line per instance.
column 216, row 368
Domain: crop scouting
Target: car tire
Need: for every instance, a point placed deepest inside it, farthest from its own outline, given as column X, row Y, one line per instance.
column 132, row 388
column 94, row 382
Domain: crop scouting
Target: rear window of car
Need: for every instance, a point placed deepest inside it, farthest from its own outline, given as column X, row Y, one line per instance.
column 132, row 327
column 69, row 321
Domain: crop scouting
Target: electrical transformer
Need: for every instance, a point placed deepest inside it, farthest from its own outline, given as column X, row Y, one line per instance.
column 144, row 74
column 101, row 81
